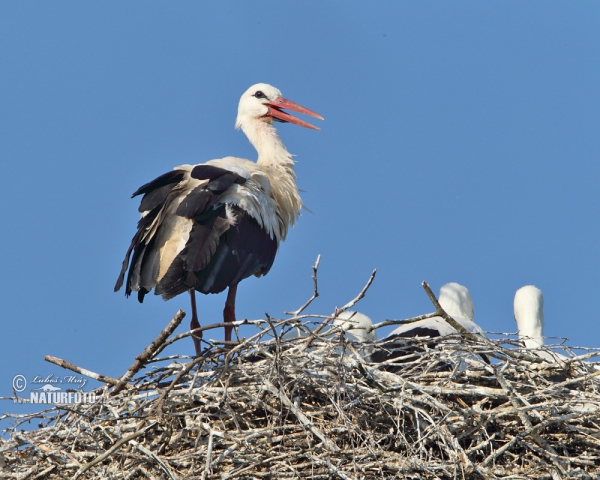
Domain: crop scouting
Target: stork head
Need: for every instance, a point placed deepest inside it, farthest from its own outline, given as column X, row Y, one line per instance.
column 263, row 102
column 456, row 300
column 356, row 324
column 529, row 315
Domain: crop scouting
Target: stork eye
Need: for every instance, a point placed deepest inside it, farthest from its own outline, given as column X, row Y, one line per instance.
column 260, row 94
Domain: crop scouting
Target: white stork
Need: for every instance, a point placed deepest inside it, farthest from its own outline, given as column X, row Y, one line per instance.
column 529, row 315
column 206, row 227
column 356, row 326
column 456, row 301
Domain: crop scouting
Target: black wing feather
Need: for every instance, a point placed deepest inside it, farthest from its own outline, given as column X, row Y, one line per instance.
column 157, row 191
column 242, row 250
column 168, row 178
column 220, row 251
column 197, row 202
column 137, row 247
column 222, row 183
column 245, row 249
column 212, row 173
column 417, row 332
column 203, row 242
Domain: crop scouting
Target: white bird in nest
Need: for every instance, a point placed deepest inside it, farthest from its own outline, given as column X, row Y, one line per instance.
column 529, row 315
column 207, row 227
column 456, row 301
column 355, row 326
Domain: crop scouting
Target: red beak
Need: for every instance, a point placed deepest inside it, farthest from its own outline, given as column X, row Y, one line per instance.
column 275, row 111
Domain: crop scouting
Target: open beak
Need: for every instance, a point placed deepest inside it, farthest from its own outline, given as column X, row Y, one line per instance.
column 275, row 111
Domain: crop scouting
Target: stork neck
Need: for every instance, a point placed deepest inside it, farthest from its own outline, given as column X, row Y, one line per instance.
column 530, row 330
column 271, row 150
column 277, row 164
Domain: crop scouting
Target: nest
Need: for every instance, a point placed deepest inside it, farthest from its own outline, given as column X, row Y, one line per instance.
column 317, row 407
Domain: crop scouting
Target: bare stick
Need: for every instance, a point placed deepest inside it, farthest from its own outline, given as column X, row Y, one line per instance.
column 69, row 366
column 360, row 296
column 149, row 352
column 112, row 449
column 315, row 292
column 526, row 421
column 150, row 454
column 207, row 469
column 338, row 311
column 204, row 328
column 475, row 338
column 166, row 391
column 332, row 447
column 385, row 323
column 441, row 312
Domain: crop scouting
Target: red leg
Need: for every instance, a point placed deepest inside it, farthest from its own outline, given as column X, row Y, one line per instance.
column 194, row 323
column 229, row 310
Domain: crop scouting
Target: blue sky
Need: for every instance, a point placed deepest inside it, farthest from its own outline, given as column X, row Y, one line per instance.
column 460, row 143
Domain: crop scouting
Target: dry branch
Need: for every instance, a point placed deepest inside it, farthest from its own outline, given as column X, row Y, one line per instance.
column 150, row 351
column 82, row 371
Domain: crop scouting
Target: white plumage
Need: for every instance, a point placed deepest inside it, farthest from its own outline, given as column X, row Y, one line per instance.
column 529, row 315
column 356, row 326
column 456, row 300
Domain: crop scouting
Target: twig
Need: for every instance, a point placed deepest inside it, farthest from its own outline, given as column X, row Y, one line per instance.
column 88, row 373
column 212, row 326
column 207, row 469
column 442, row 313
column 406, row 321
column 150, row 454
column 300, row 416
column 315, row 294
column 468, row 335
column 148, row 352
column 338, row 311
column 159, row 403
column 112, row 449
column 360, row 296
